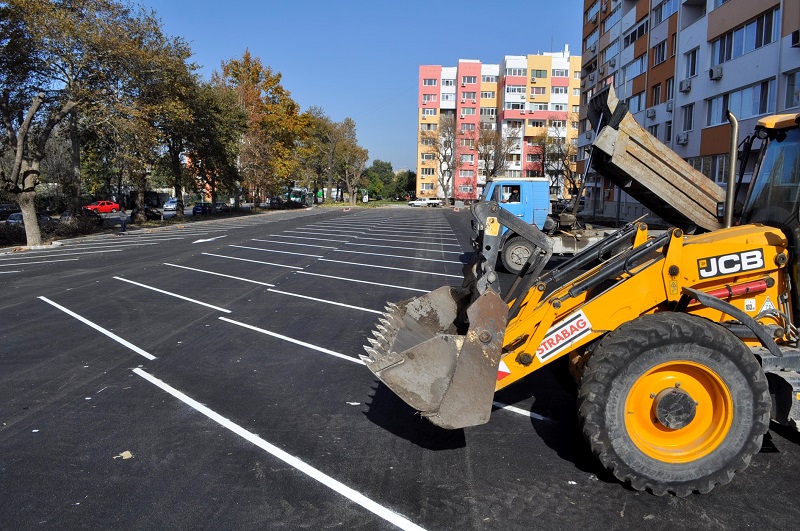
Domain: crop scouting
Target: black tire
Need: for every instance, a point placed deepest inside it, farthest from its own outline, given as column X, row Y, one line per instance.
column 636, row 440
column 515, row 253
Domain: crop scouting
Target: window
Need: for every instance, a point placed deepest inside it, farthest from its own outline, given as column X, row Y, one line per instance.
column 718, row 3
column 612, row 19
column 488, row 94
column 469, row 80
column 468, row 95
column 636, row 103
column 558, row 107
column 576, row 74
column 764, row 30
column 659, row 53
column 793, row 89
column 448, row 82
column 609, row 51
column 533, row 157
column 539, row 74
column 428, row 142
column 538, row 91
column 670, row 88
column 574, row 125
column 426, row 186
column 745, row 103
column 656, row 93
column 465, row 189
column 540, row 107
column 467, row 111
column 576, row 108
column 428, row 112
column 688, row 117
column 635, row 67
column 448, row 96
column 515, row 106
column 467, row 174
column 467, row 142
column 488, row 111
column 427, row 172
column 489, row 79
column 535, row 123
column 558, row 72
column 653, row 130
column 430, row 82
column 691, row 63
column 515, row 89
column 514, row 124
column 427, row 156
column 576, row 92
column 635, row 34
column 467, row 158
column 533, row 173
column 522, row 72
column 557, row 124
column 513, row 174
column 467, row 127
column 663, row 11
column 559, row 90
column 488, row 126
column 593, row 10
column 428, row 127
column 590, row 40
column 668, row 131
column 428, row 97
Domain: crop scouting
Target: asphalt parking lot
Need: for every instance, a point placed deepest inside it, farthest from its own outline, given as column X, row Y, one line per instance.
column 207, row 376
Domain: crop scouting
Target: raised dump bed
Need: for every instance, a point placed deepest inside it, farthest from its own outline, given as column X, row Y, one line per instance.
column 649, row 171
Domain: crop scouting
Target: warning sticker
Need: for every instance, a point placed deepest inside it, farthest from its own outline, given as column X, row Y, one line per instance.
column 750, row 305
column 502, row 370
column 564, row 335
column 767, row 305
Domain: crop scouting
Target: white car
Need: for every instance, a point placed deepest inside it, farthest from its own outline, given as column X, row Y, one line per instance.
column 425, row 202
column 171, row 205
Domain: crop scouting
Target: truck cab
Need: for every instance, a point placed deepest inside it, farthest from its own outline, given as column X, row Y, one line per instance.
column 527, row 198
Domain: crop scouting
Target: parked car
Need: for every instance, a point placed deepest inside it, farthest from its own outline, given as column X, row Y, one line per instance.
column 425, row 202
column 103, row 207
column 201, row 208
column 83, row 215
column 222, row 207
column 6, row 209
column 171, row 205
column 16, row 219
column 150, row 213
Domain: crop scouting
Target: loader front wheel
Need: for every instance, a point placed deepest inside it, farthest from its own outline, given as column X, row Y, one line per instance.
column 515, row 253
column 673, row 403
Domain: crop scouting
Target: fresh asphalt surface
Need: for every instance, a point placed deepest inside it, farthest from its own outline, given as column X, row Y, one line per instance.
column 208, row 376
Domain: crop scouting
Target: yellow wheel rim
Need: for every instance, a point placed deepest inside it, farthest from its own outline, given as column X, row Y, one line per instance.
column 708, row 428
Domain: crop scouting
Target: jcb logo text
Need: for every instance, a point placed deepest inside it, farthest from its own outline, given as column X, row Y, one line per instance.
column 730, row 263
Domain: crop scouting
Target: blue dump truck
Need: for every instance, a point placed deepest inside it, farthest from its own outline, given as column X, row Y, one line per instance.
column 528, row 198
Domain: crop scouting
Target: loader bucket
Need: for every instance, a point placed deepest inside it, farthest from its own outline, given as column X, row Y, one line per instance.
column 440, row 354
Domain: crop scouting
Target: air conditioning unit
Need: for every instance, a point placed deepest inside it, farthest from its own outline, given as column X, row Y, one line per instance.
column 715, row 73
column 463, row 84
column 533, row 80
column 474, row 101
column 796, row 39
column 593, row 48
column 669, row 106
column 522, row 111
column 591, row 78
column 685, row 85
column 588, row 135
column 583, row 82
column 463, row 101
column 682, row 138
column 603, row 8
column 424, row 117
column 650, row 113
column 602, row 70
column 612, row 61
column 593, row 20
column 523, row 96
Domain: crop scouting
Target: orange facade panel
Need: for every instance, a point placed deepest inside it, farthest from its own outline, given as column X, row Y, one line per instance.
column 642, row 9
column 715, row 140
column 735, row 13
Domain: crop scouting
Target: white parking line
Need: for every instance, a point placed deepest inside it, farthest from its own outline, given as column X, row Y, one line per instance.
column 408, row 241
column 7, row 272
column 398, row 256
column 274, row 251
column 292, row 461
column 519, row 411
column 15, row 264
column 253, row 261
column 174, row 295
column 299, row 238
column 292, row 243
column 324, row 301
column 221, row 275
column 391, row 268
column 362, row 281
column 100, row 329
column 396, row 247
column 295, row 341
column 58, row 253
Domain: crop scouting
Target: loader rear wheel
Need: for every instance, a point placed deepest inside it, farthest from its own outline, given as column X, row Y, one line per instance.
column 515, row 253
column 673, row 403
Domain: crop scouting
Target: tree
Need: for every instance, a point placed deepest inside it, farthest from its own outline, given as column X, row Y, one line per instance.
column 62, row 58
column 558, row 155
column 494, row 147
column 353, row 160
column 442, row 143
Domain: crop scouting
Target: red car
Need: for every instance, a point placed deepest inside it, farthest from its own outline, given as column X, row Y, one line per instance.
column 102, row 207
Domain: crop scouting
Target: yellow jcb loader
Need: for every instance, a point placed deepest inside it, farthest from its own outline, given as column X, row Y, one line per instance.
column 684, row 344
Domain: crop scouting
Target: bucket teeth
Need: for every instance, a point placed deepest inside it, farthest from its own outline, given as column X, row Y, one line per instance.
column 379, row 343
column 374, row 355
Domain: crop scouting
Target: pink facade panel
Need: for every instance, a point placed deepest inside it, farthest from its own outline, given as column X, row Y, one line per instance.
column 559, row 81
column 429, row 74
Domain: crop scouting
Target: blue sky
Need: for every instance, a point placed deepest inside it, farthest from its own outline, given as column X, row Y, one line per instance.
column 361, row 59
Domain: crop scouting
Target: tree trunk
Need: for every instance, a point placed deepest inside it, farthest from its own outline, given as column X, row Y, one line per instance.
column 75, row 141
column 177, row 174
column 33, row 233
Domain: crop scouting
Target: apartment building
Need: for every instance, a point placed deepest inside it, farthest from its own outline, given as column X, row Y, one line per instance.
column 526, row 98
column 679, row 65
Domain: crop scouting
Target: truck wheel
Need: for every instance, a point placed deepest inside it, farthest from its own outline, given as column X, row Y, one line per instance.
column 673, row 403
column 515, row 253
